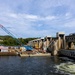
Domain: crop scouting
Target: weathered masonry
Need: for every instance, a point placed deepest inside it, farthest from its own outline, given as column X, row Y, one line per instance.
column 70, row 41
column 54, row 44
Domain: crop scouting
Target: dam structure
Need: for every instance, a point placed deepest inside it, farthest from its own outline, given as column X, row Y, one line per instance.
column 55, row 45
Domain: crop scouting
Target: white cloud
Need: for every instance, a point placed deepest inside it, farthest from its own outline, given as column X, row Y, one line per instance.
column 28, row 17
column 31, row 16
column 37, row 17
column 12, row 15
column 50, row 17
column 25, row 24
column 68, row 15
column 70, row 24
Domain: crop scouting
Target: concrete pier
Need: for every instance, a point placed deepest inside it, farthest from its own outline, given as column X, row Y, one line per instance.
column 38, row 54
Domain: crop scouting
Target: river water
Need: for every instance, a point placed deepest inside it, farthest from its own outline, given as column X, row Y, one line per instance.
column 15, row 65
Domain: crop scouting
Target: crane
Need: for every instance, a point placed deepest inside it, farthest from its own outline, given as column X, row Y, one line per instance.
column 18, row 41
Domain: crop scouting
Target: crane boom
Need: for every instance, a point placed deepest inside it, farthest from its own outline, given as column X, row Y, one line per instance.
column 19, row 42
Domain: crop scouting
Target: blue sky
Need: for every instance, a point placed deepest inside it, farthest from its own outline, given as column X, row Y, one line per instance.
column 37, row 18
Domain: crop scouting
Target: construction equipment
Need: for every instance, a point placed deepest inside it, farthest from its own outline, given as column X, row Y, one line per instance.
column 18, row 41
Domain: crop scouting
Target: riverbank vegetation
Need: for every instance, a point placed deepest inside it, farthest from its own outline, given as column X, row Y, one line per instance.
column 10, row 41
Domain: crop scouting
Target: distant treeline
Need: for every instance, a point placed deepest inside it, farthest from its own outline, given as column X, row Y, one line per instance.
column 10, row 41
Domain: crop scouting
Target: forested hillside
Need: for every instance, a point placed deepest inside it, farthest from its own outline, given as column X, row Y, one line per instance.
column 10, row 41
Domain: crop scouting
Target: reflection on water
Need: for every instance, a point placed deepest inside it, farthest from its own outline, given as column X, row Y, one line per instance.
column 56, row 59
column 29, row 65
